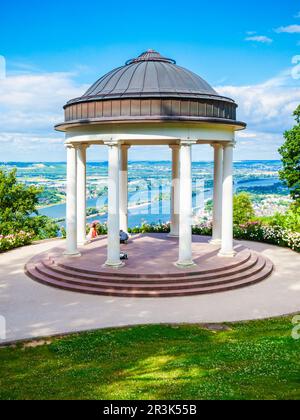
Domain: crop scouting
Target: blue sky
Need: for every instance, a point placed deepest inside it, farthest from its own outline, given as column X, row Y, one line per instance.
column 55, row 49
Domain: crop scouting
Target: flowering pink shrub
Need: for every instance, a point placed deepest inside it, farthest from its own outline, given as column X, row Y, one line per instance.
column 251, row 231
column 16, row 240
column 204, row 229
column 151, row 228
column 275, row 235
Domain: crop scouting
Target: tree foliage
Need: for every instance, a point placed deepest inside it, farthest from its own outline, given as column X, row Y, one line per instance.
column 209, row 206
column 290, row 152
column 289, row 220
column 18, row 208
column 243, row 210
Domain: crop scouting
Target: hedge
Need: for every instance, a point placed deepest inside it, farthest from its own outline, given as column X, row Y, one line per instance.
column 16, row 240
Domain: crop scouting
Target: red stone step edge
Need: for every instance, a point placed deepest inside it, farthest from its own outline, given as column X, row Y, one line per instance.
column 105, row 278
column 258, row 277
column 179, row 273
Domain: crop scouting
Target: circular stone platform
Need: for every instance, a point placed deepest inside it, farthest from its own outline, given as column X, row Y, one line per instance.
column 150, row 270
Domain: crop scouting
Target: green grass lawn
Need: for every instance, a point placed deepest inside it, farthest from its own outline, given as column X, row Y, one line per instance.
column 255, row 360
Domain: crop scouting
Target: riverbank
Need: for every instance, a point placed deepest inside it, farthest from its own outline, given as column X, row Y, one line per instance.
column 41, row 207
column 101, row 214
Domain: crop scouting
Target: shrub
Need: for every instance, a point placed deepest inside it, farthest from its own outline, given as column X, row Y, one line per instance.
column 43, row 227
column 204, row 229
column 243, row 210
column 292, row 218
column 20, row 222
column 151, row 228
column 101, row 229
column 275, row 235
column 251, row 231
column 17, row 201
column 289, row 221
column 17, row 240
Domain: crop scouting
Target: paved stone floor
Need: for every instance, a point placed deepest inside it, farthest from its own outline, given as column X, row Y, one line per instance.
column 33, row 310
column 149, row 254
column 150, row 270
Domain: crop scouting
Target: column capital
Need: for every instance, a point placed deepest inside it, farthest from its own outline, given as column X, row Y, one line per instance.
column 216, row 145
column 174, row 146
column 125, row 146
column 111, row 143
column 83, row 146
column 229, row 144
column 187, row 142
column 70, row 146
column 77, row 146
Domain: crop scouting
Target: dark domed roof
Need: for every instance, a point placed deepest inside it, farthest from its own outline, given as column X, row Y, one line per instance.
column 150, row 88
column 146, row 76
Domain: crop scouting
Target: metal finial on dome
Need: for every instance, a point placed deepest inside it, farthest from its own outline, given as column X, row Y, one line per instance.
column 150, row 55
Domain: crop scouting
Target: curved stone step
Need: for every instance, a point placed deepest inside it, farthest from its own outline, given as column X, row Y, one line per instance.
column 125, row 286
column 203, row 282
column 138, row 292
column 244, row 256
column 104, row 277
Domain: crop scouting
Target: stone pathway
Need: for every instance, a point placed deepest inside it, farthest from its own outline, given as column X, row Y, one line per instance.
column 32, row 310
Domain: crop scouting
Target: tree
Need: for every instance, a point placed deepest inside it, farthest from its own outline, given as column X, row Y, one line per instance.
column 18, row 208
column 243, row 210
column 209, row 206
column 290, row 152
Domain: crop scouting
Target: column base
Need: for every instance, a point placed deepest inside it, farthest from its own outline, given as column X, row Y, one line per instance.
column 115, row 265
column 185, row 264
column 216, row 242
column 227, row 254
column 74, row 254
column 173, row 235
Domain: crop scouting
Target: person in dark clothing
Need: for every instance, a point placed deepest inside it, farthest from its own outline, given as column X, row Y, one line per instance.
column 123, row 237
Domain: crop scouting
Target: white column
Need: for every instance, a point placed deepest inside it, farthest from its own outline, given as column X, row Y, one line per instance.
column 217, row 199
column 175, row 194
column 71, row 219
column 124, row 187
column 81, row 194
column 227, row 207
column 113, row 239
column 186, row 210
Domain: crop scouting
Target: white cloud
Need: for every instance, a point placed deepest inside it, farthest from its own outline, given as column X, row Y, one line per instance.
column 268, row 105
column 22, row 146
column 267, row 108
column 291, row 29
column 30, row 106
column 41, row 91
column 247, row 135
column 259, row 38
column 263, row 146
